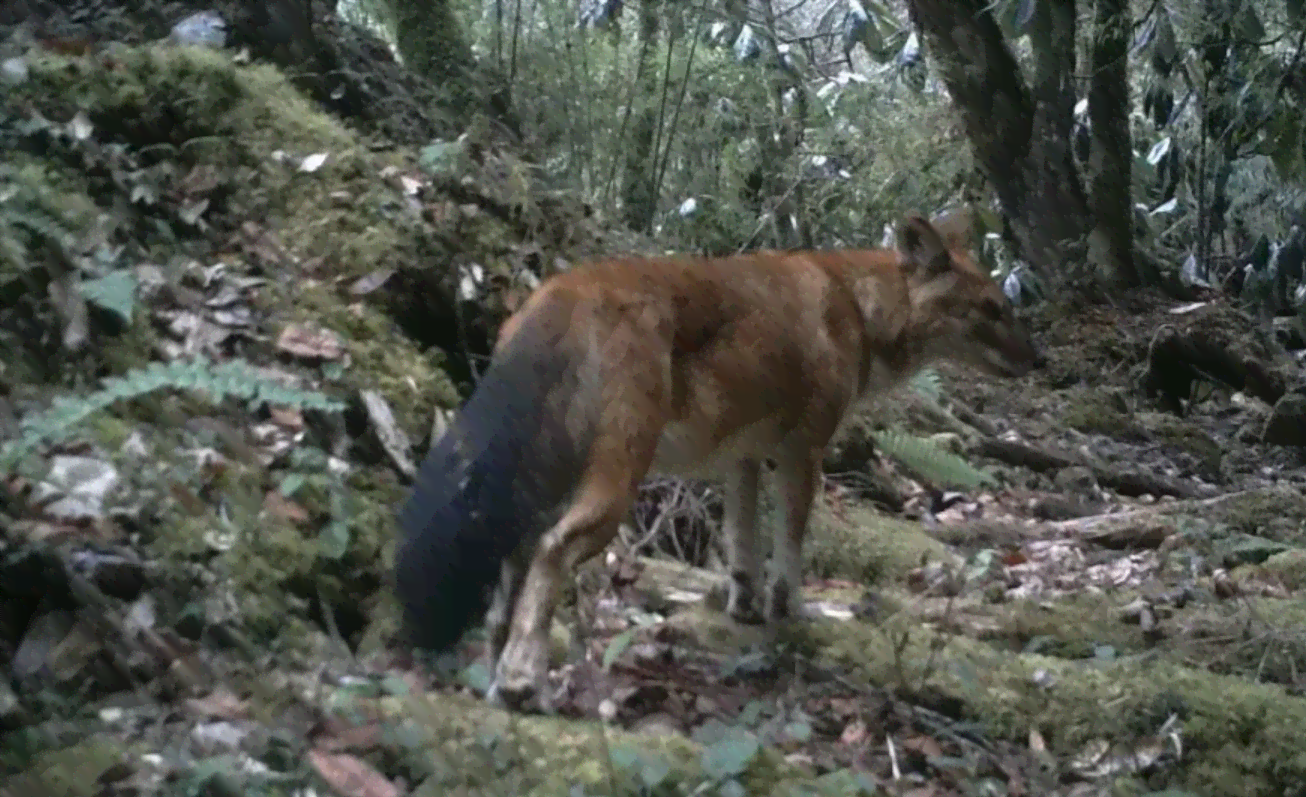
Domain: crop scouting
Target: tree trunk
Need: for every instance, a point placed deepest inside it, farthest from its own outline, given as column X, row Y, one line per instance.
column 432, row 44
column 1020, row 136
column 1111, row 243
column 639, row 183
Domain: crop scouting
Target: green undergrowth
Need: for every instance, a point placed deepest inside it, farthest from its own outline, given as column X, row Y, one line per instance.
column 1239, row 737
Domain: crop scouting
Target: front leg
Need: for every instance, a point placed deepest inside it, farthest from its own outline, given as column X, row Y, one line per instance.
column 740, row 528
column 798, row 475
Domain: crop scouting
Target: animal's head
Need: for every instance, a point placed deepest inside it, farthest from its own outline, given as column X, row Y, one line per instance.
column 958, row 310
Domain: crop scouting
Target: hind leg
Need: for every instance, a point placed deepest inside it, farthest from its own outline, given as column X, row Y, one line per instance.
column 740, row 527
column 585, row 530
column 512, row 575
column 799, row 474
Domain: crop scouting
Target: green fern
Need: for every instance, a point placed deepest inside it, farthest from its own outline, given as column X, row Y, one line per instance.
column 929, row 461
column 928, row 383
column 232, row 378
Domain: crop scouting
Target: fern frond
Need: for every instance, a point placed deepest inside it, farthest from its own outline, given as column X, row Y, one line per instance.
column 929, row 461
column 928, row 383
column 232, row 378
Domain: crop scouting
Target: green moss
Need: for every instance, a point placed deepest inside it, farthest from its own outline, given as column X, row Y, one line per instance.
column 1095, row 412
column 1185, row 436
column 471, row 745
column 1072, row 628
column 1240, row 738
column 1277, row 513
column 381, row 358
column 74, row 771
column 863, row 545
column 1288, row 567
column 179, row 94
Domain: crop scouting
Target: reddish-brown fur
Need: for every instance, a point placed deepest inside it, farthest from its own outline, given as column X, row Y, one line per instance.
column 706, row 367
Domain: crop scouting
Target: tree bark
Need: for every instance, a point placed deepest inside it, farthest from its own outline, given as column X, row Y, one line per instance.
column 639, row 191
column 1021, row 137
column 1111, row 243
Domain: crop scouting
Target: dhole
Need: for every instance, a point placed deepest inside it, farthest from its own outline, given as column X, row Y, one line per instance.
column 688, row 366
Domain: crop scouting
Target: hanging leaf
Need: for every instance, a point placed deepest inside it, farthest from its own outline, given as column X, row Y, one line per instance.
column 1283, row 144
column 1168, row 206
column 1158, row 151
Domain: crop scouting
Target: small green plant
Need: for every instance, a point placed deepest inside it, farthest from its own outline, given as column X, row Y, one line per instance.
column 929, row 460
column 233, row 378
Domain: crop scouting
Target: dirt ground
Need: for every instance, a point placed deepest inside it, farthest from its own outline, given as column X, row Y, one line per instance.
column 194, row 558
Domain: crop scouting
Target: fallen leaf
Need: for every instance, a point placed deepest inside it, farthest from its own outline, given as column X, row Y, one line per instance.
column 310, row 343
column 925, row 745
column 351, row 776
column 220, row 703
column 80, row 126
column 370, row 282
column 201, row 179
column 277, row 505
column 288, row 417
column 313, row 162
column 853, row 733
column 76, row 487
column 356, row 738
column 388, row 431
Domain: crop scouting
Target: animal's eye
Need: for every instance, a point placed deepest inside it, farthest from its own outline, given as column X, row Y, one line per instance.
column 992, row 310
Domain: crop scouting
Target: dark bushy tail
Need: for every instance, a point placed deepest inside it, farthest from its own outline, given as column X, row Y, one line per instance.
column 500, row 475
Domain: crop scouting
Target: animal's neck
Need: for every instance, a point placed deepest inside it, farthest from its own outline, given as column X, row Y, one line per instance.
column 912, row 347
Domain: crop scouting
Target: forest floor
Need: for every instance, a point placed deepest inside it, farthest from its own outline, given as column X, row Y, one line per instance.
column 193, row 558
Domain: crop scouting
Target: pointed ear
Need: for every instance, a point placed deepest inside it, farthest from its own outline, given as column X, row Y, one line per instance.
column 957, row 228
column 924, row 255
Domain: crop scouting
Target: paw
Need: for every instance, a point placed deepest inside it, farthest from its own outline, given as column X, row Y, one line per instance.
column 782, row 602
column 741, row 602
column 521, row 678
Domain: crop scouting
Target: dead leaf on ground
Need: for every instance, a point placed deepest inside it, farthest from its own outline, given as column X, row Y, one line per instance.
column 854, row 733
column 356, row 738
column 310, row 343
column 388, row 432
column 220, row 703
column 263, row 246
column 200, row 180
column 351, row 776
column 279, row 506
column 370, row 282
column 924, row 745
